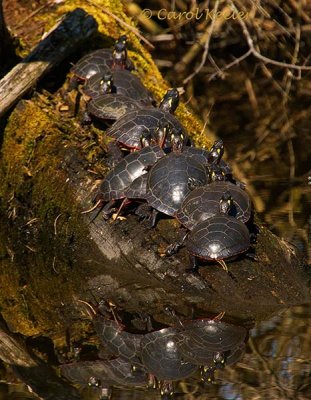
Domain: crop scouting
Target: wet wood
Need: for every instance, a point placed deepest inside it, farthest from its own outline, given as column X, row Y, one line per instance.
column 61, row 41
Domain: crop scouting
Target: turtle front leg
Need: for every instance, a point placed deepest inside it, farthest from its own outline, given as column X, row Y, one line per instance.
column 143, row 211
column 173, row 248
column 73, row 83
column 86, row 119
column 109, row 209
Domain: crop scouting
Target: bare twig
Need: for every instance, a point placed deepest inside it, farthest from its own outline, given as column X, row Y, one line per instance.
column 256, row 53
column 230, row 65
column 206, row 47
column 55, row 224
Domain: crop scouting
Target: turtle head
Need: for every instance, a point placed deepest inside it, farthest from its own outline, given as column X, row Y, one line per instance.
column 226, row 203
column 177, row 140
column 94, row 382
column 122, row 39
column 146, row 139
column 219, row 360
column 106, row 84
column 208, row 374
column 162, row 132
column 216, row 151
column 119, row 55
column 170, row 101
column 216, row 173
column 166, row 389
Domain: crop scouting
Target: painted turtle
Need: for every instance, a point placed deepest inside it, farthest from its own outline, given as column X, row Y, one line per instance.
column 128, row 129
column 101, row 61
column 109, row 107
column 124, row 173
column 170, row 180
column 120, row 82
column 104, row 373
column 206, row 341
column 161, row 357
column 121, row 343
column 218, row 238
column 203, row 203
column 212, row 157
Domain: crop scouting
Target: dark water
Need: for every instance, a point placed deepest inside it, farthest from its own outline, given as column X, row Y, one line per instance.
column 276, row 365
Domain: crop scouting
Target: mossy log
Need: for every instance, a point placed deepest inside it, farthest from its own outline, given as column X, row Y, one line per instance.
column 58, row 44
column 53, row 256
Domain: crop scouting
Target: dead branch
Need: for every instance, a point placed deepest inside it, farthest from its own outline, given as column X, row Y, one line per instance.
column 62, row 40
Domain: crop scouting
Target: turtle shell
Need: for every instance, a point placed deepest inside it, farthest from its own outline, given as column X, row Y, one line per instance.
column 235, row 354
column 202, row 338
column 104, row 373
column 137, row 189
column 129, row 128
column 98, row 61
column 126, row 171
column 124, row 83
column 161, row 357
column 111, row 106
column 120, row 343
column 218, row 238
column 171, row 179
column 203, row 203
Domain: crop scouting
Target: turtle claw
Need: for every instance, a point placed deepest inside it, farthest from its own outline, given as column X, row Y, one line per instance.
column 86, row 119
column 172, row 249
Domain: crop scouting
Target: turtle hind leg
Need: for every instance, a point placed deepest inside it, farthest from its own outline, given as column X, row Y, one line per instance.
column 194, row 266
column 154, row 218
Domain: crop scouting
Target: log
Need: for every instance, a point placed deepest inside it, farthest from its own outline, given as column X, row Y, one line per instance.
column 60, row 42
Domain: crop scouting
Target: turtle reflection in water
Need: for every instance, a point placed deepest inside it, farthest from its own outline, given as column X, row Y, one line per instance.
column 160, row 355
column 119, row 342
column 211, row 341
column 105, row 373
